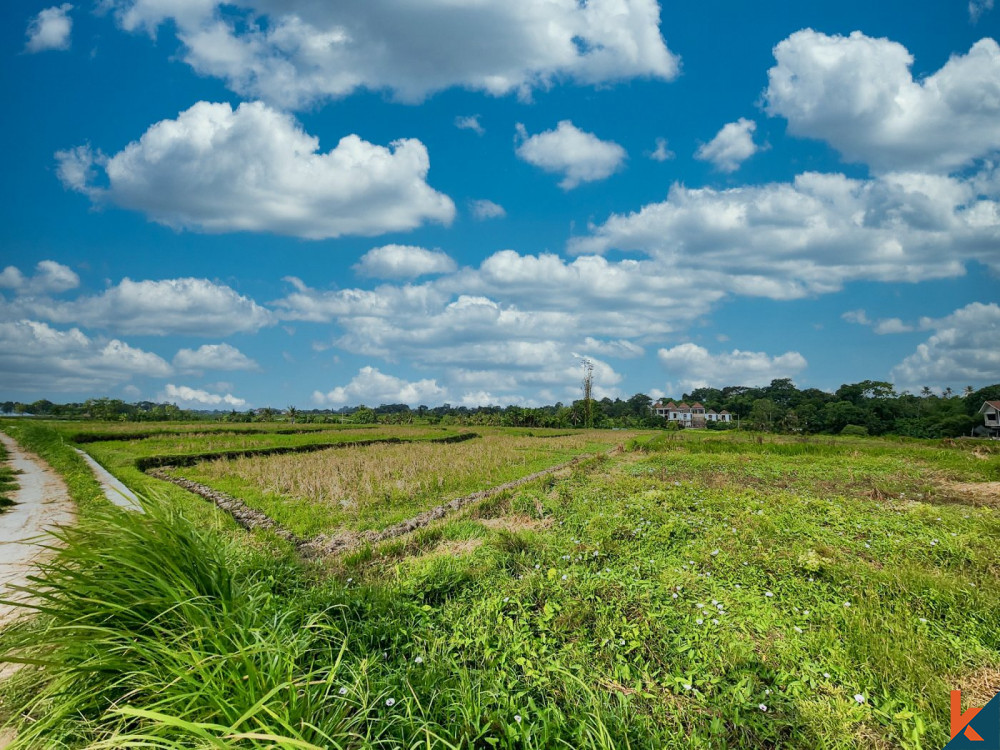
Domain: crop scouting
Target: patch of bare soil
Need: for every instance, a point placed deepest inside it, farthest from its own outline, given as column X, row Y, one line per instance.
column 516, row 523
column 968, row 493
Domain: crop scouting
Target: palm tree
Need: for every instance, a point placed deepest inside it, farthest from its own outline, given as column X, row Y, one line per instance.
column 968, row 390
column 292, row 413
column 925, row 391
column 947, row 392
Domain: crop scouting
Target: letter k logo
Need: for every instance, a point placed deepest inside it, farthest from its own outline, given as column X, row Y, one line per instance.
column 960, row 721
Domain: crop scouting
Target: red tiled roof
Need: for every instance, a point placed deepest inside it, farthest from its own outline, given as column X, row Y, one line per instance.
column 682, row 405
column 696, row 405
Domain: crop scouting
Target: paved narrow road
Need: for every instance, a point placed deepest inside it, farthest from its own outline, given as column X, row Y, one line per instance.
column 41, row 503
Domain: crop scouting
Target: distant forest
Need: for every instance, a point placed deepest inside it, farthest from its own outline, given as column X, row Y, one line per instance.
column 867, row 408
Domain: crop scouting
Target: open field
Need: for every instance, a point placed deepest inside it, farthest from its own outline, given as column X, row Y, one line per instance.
column 694, row 590
column 372, row 486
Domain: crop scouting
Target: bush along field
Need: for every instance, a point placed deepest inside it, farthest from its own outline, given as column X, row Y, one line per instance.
column 688, row 591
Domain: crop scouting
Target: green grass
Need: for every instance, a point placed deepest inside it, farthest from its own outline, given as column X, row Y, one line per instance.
column 571, row 603
column 384, row 484
column 8, row 481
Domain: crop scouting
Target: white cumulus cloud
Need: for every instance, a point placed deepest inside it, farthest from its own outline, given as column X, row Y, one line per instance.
column 577, row 155
column 786, row 240
column 962, row 351
column 215, row 169
column 731, row 146
column 858, row 94
column 50, row 29
column 213, row 357
column 296, row 52
column 49, row 278
column 661, row 152
column 694, row 366
column 370, row 386
column 403, row 262
column 195, row 398
column 196, row 307
column 39, row 358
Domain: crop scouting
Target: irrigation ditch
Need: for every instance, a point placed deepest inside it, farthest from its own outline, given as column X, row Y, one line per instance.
column 327, row 545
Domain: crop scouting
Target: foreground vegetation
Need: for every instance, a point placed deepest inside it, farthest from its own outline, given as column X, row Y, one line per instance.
column 8, row 481
column 712, row 590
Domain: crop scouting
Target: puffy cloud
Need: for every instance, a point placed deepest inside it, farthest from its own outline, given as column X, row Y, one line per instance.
column 190, row 306
column 50, row 29
column 213, row 357
column 296, row 52
column 215, row 169
column 695, row 367
column 485, row 209
column 731, row 146
column 787, row 240
column 403, row 262
column 34, row 357
column 892, row 325
column 859, row 317
column 49, row 278
column 194, row 398
column 881, row 327
column 661, row 152
column 962, row 351
column 858, row 94
column 370, row 386
column 470, row 122
column 567, row 150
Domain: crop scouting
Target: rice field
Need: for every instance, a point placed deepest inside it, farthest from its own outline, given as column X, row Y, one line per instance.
column 688, row 591
column 372, row 486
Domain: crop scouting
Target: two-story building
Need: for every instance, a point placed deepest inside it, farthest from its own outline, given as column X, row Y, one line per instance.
column 689, row 415
column 991, row 417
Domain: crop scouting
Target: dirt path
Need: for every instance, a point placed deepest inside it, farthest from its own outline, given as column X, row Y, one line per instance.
column 41, row 503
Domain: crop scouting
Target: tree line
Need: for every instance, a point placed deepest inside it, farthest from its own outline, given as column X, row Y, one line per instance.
column 870, row 407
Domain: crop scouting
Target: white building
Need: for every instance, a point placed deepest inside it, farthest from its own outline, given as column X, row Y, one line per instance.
column 694, row 415
column 991, row 417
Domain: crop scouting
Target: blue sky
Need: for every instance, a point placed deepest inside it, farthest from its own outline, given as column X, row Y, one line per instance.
column 274, row 203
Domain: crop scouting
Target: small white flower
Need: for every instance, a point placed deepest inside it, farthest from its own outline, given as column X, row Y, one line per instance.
column 826, row 675
column 517, row 718
column 690, row 562
column 674, row 596
column 715, row 601
column 859, row 698
column 923, row 619
column 419, row 660
column 565, row 576
column 343, row 691
column 715, row 552
column 767, row 691
column 390, row 702
column 715, row 622
column 806, row 613
column 934, row 542
column 798, row 629
column 687, row 686
column 700, row 606
column 699, row 621
column 762, row 707
column 506, row 599
column 768, row 594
